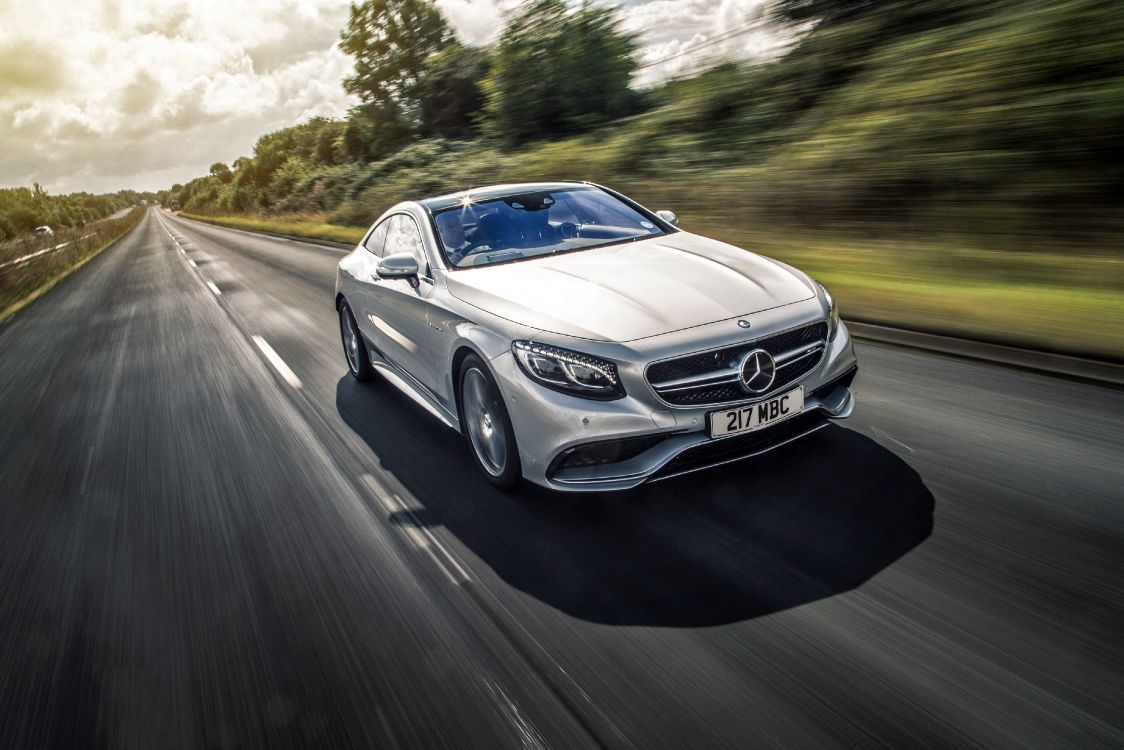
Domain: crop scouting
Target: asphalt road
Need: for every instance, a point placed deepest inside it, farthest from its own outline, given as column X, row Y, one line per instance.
column 211, row 537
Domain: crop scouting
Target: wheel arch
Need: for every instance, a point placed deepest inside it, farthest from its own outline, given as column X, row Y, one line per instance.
column 459, row 356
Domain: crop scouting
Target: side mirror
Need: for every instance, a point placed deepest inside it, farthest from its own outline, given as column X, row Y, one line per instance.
column 669, row 217
column 398, row 266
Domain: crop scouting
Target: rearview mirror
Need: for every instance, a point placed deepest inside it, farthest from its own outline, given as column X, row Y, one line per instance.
column 668, row 216
column 398, row 266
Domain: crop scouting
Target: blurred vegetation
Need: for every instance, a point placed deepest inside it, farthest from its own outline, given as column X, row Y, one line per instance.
column 947, row 164
column 24, row 209
column 558, row 71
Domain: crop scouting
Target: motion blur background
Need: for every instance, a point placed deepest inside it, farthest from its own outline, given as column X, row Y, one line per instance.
column 946, row 165
column 212, row 536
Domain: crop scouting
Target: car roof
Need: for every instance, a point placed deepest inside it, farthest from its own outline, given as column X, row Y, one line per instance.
column 441, row 202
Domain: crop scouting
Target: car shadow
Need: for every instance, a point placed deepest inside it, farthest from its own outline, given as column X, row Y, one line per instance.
column 814, row 519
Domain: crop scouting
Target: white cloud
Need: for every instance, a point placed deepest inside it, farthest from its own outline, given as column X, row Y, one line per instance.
column 144, row 93
column 476, row 22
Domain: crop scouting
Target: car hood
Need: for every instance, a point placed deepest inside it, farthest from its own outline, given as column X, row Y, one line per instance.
column 631, row 290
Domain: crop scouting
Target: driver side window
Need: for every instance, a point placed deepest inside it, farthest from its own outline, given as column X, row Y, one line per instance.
column 377, row 239
column 403, row 236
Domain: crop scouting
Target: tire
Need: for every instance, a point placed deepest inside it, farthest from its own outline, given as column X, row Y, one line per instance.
column 354, row 348
column 487, row 426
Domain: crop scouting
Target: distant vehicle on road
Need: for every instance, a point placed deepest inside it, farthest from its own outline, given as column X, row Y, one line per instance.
column 175, row 205
column 44, row 231
column 585, row 343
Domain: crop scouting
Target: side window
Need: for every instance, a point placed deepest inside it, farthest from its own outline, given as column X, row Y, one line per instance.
column 376, row 240
column 403, row 236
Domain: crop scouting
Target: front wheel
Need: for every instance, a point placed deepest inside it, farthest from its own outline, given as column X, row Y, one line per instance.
column 487, row 425
column 358, row 361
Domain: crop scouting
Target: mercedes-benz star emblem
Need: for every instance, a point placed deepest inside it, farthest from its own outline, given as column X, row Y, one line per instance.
column 743, row 323
column 757, row 371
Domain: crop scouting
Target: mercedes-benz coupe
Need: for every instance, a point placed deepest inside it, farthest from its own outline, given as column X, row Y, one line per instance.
column 583, row 342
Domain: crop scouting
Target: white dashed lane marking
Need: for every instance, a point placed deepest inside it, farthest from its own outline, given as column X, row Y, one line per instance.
column 421, row 537
column 274, row 358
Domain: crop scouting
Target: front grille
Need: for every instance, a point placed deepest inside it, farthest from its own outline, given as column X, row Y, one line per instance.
column 724, row 449
column 718, row 364
column 715, row 394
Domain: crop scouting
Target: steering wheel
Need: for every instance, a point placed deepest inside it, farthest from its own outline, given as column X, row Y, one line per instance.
column 476, row 247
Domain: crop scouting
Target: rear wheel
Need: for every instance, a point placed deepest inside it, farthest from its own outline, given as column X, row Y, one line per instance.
column 358, row 361
column 487, row 425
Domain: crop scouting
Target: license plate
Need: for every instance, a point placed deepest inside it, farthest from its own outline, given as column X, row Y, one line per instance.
column 756, row 416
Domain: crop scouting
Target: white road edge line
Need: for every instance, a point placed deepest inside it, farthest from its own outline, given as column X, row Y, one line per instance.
column 191, row 263
column 275, row 360
column 213, row 288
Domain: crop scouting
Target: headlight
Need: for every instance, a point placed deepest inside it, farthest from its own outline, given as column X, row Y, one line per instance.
column 833, row 315
column 569, row 372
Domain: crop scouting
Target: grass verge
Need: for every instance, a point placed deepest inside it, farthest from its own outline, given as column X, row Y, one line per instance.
column 313, row 228
column 1052, row 300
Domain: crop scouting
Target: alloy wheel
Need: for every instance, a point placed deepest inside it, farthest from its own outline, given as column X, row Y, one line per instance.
column 485, row 426
column 350, row 334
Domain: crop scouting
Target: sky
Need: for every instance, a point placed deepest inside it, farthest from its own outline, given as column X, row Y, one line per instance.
column 100, row 95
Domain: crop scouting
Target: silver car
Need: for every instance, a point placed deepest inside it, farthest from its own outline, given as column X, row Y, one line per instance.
column 583, row 342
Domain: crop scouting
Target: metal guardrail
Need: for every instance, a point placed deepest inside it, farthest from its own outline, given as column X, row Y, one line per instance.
column 32, row 256
column 1064, row 365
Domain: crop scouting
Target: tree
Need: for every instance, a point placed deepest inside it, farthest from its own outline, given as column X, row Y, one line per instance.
column 222, row 172
column 390, row 41
column 449, row 93
column 559, row 71
column 375, row 130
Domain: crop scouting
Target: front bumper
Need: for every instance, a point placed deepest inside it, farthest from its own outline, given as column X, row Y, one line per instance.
column 638, row 439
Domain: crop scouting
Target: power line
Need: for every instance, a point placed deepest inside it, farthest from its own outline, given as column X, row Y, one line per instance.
column 724, row 36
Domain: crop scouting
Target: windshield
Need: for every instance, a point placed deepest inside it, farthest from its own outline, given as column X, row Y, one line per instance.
column 526, row 225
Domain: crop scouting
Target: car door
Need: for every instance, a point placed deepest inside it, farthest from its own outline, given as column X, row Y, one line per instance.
column 364, row 300
column 398, row 306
